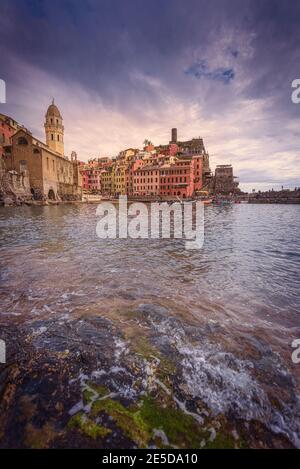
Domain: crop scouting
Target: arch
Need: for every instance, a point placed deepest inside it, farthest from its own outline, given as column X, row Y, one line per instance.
column 34, row 193
column 51, row 194
column 22, row 141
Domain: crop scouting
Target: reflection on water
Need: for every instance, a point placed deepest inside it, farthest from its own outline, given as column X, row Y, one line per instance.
column 241, row 291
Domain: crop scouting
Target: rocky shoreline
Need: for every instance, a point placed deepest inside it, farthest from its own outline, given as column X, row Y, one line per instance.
column 37, row 203
column 120, row 383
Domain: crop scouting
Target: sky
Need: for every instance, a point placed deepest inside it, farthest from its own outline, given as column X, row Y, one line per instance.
column 125, row 70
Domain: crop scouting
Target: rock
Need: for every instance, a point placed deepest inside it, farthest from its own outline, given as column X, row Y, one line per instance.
column 8, row 201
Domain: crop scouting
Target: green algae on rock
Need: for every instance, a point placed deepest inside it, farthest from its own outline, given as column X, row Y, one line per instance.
column 88, row 426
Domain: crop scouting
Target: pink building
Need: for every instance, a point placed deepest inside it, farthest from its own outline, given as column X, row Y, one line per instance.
column 146, row 180
column 8, row 128
column 91, row 179
column 130, row 175
column 182, row 179
column 170, row 149
column 173, row 149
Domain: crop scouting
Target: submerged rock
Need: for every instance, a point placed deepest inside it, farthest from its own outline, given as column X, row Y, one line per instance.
column 88, row 383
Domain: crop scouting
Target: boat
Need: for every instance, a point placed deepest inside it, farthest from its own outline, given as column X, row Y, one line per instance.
column 203, row 196
column 222, row 202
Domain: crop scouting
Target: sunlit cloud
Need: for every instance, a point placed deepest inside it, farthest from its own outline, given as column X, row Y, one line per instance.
column 134, row 78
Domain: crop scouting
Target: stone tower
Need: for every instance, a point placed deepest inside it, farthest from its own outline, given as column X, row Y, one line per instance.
column 174, row 135
column 54, row 129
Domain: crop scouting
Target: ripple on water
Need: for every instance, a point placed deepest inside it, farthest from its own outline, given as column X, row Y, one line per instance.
column 246, row 277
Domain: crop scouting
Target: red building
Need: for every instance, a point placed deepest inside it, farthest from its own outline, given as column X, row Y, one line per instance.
column 173, row 149
column 182, row 178
column 8, row 128
column 91, row 179
column 146, row 180
column 169, row 150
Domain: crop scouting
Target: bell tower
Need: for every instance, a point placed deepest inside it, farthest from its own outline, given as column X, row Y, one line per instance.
column 54, row 129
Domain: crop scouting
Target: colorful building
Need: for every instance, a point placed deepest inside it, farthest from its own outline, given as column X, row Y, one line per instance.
column 181, row 179
column 106, row 181
column 91, row 179
column 120, row 180
column 8, row 127
column 146, row 181
column 177, row 169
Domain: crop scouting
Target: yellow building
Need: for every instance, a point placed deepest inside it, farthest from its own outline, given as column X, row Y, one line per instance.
column 106, row 181
column 128, row 154
column 120, row 178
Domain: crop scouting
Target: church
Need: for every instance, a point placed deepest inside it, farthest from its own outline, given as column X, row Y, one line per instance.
column 52, row 175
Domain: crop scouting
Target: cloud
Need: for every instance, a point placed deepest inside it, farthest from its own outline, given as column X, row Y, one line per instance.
column 260, row 148
column 124, row 71
column 200, row 69
column 234, row 53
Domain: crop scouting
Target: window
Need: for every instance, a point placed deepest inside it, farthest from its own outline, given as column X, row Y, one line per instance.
column 23, row 165
column 58, row 138
column 52, row 137
column 22, row 141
